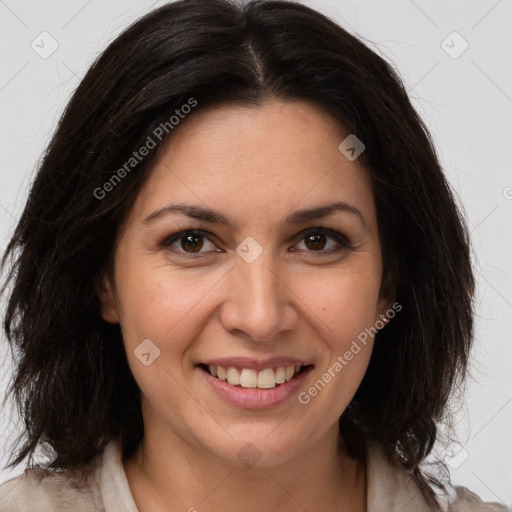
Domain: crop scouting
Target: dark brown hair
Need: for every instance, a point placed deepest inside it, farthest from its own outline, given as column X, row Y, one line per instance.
column 72, row 383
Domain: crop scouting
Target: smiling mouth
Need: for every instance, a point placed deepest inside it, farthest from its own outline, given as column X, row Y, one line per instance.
column 249, row 378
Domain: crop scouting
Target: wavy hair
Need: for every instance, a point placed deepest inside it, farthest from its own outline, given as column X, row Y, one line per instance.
column 72, row 384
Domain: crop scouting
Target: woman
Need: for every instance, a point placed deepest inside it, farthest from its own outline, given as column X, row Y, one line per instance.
column 240, row 281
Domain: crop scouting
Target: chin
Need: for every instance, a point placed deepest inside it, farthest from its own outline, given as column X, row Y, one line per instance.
column 260, row 447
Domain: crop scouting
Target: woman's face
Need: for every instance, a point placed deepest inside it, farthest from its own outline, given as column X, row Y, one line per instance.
column 264, row 284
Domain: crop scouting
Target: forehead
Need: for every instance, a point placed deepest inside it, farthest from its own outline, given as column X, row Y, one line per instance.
column 251, row 159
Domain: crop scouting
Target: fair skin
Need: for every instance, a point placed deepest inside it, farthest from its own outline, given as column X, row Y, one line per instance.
column 256, row 165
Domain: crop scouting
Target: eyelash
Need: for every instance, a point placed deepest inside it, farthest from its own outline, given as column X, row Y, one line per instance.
column 343, row 242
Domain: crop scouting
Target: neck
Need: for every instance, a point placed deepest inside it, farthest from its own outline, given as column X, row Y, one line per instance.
column 166, row 473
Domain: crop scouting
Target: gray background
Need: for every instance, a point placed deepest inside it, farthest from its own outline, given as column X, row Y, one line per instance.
column 464, row 97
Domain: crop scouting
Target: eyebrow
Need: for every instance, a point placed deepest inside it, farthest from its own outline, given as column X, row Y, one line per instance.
column 213, row 216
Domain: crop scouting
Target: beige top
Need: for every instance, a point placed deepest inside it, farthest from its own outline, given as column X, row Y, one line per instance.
column 106, row 489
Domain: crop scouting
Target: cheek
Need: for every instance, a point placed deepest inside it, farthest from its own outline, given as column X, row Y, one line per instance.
column 343, row 301
column 345, row 317
column 167, row 308
column 343, row 311
column 162, row 304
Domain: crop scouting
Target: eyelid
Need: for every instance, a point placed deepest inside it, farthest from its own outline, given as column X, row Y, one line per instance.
column 336, row 235
column 340, row 238
column 168, row 240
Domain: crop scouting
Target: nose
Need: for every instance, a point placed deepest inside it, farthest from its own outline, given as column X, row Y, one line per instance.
column 261, row 305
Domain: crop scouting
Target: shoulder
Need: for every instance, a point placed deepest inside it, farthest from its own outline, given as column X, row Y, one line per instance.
column 392, row 488
column 466, row 501
column 41, row 490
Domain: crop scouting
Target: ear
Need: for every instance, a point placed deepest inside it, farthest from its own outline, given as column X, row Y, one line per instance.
column 107, row 299
column 384, row 305
column 387, row 296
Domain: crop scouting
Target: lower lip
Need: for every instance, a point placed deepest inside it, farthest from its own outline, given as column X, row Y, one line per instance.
column 255, row 398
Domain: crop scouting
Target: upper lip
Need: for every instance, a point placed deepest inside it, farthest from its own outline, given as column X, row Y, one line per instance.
column 256, row 364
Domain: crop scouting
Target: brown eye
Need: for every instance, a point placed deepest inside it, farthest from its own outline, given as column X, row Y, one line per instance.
column 317, row 241
column 187, row 242
column 192, row 242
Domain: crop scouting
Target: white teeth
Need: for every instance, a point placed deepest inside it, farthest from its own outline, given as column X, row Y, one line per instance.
column 266, row 379
column 249, row 378
column 233, row 376
column 280, row 375
column 221, row 372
